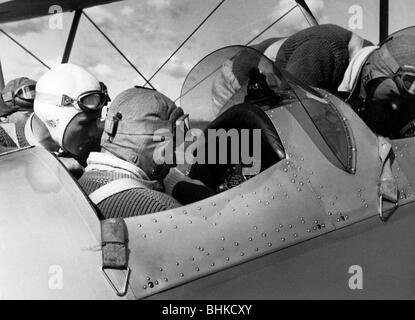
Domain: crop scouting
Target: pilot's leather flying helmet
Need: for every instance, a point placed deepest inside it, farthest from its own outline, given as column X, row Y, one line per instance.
column 132, row 124
column 393, row 62
column 69, row 101
column 17, row 95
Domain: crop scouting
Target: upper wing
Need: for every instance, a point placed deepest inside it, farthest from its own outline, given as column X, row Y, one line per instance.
column 15, row 10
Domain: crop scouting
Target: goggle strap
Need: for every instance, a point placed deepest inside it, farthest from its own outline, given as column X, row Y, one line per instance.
column 112, row 125
column 48, row 98
column 8, row 96
column 66, row 100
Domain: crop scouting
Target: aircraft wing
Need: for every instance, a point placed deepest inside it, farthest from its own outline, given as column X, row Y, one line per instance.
column 16, row 10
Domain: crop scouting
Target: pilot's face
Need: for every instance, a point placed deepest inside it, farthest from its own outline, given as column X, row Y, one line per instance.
column 82, row 135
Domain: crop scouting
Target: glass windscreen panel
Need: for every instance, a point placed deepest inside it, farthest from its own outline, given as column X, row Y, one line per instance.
column 331, row 125
column 220, row 81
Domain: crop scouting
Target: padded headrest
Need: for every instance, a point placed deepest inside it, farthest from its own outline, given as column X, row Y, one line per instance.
column 242, row 116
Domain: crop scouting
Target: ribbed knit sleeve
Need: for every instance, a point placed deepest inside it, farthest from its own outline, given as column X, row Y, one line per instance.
column 5, row 140
column 21, row 137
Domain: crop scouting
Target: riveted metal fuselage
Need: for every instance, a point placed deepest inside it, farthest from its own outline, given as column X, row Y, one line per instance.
column 290, row 219
column 297, row 199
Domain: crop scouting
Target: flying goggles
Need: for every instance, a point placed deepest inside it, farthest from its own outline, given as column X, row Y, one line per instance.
column 25, row 92
column 405, row 80
column 180, row 127
column 88, row 101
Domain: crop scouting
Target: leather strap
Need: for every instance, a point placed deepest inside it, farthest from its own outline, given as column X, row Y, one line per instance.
column 114, row 237
column 387, row 186
column 114, row 187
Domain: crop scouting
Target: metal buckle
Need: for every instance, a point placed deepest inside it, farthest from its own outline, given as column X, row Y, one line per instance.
column 382, row 217
column 8, row 96
column 114, row 241
column 124, row 289
column 67, row 101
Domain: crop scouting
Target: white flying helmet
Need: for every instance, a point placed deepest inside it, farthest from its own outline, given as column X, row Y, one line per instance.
column 62, row 93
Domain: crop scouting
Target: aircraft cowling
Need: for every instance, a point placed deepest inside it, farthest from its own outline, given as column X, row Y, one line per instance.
column 49, row 232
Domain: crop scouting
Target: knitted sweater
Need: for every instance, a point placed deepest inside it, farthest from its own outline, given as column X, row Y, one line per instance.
column 317, row 55
column 127, row 203
column 6, row 139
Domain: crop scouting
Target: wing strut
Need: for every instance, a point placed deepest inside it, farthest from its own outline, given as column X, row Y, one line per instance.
column 383, row 19
column 71, row 36
column 308, row 15
column 1, row 78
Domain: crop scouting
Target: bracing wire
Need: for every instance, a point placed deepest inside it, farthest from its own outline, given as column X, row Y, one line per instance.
column 249, row 42
column 24, row 48
column 147, row 81
column 271, row 25
column 118, row 50
column 185, row 41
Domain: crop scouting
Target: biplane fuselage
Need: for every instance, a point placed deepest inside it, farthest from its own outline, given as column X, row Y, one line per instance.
column 293, row 231
column 303, row 228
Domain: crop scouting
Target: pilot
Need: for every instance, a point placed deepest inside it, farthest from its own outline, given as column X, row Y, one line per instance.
column 384, row 92
column 16, row 105
column 377, row 81
column 124, row 179
column 319, row 55
column 67, row 107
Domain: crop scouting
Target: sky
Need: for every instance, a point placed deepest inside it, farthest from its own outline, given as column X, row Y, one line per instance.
column 148, row 31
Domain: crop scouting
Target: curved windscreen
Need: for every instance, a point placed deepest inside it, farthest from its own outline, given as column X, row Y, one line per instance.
column 409, row 31
column 220, row 80
column 328, row 121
